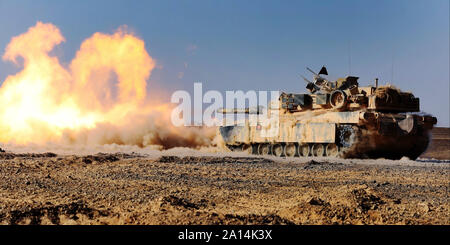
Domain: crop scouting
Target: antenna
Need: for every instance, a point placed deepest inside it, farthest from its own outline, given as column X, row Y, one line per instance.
column 392, row 69
column 349, row 58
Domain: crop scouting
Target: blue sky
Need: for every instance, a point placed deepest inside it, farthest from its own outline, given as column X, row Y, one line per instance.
column 263, row 45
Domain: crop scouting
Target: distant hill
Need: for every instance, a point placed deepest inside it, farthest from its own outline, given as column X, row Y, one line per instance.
column 439, row 147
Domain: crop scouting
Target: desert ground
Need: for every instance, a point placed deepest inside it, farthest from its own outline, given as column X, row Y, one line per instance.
column 439, row 147
column 185, row 186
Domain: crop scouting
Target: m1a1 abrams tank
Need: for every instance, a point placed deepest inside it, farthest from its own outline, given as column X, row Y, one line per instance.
column 336, row 119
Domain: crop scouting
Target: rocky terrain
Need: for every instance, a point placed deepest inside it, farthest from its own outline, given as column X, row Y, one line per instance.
column 218, row 188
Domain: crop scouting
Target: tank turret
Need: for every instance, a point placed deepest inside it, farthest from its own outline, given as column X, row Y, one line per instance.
column 345, row 94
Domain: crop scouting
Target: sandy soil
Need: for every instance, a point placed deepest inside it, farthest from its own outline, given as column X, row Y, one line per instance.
column 191, row 187
column 439, row 147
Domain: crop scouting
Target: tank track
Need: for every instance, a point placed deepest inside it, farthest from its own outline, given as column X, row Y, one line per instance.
column 351, row 142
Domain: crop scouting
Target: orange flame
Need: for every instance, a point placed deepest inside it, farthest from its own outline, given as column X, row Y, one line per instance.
column 105, row 84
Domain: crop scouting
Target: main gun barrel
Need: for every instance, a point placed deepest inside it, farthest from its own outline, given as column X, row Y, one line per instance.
column 252, row 110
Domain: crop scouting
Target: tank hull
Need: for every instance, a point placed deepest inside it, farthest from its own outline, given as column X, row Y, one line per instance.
column 349, row 134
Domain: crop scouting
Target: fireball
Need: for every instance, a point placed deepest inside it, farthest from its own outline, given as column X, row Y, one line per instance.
column 99, row 98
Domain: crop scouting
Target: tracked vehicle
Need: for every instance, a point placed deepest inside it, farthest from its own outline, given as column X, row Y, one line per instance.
column 335, row 119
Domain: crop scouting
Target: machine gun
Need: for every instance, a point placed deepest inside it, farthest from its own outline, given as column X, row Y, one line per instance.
column 310, row 85
column 319, row 83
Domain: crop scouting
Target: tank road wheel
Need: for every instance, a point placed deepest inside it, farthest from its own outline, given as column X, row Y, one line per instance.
column 290, row 150
column 247, row 148
column 264, row 149
column 278, row 150
column 338, row 99
column 332, row 150
column 303, row 150
column 318, row 150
